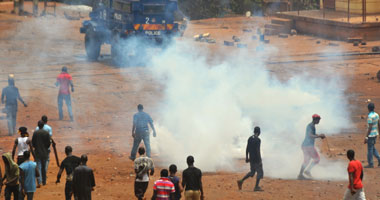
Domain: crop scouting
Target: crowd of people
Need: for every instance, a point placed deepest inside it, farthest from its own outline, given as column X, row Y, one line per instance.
column 23, row 177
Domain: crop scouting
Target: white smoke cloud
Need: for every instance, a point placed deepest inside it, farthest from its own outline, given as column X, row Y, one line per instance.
column 209, row 108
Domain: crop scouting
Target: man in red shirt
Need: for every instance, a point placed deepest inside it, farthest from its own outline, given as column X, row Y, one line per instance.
column 64, row 81
column 355, row 175
column 163, row 189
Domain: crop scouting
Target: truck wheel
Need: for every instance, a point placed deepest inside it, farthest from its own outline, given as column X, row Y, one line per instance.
column 92, row 45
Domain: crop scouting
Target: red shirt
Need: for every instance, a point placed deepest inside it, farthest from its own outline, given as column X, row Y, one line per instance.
column 64, row 82
column 164, row 188
column 356, row 167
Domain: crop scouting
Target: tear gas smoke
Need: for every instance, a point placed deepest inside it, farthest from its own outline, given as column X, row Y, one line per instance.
column 208, row 111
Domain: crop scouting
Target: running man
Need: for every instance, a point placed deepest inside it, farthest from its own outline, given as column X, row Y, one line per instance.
column 253, row 156
column 22, row 144
column 64, row 81
column 28, row 174
column 309, row 151
column 83, row 180
column 143, row 165
column 140, row 131
column 372, row 133
column 355, row 177
column 68, row 164
column 9, row 96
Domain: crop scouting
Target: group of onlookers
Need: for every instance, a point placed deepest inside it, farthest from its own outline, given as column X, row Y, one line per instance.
column 169, row 185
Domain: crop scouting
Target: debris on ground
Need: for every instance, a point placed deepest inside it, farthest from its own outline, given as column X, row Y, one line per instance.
column 375, row 49
column 228, row 43
column 247, row 30
column 240, row 45
column 293, row 32
column 235, row 38
column 282, row 35
column 333, row 44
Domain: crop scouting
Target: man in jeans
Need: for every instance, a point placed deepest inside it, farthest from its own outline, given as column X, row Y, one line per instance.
column 41, row 141
column 68, row 164
column 372, row 133
column 9, row 96
column 140, row 131
column 64, row 81
column 28, row 173
column 47, row 128
column 192, row 181
column 143, row 165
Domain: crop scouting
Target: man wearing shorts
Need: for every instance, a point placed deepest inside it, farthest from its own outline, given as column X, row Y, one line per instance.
column 309, row 151
column 253, row 150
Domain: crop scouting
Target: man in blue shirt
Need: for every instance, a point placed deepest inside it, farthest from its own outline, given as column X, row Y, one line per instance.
column 9, row 96
column 372, row 133
column 140, row 131
column 28, row 173
column 309, row 151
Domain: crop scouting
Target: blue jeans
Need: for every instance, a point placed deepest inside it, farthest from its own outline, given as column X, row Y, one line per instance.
column 67, row 99
column 136, row 142
column 11, row 111
column 372, row 150
column 42, row 168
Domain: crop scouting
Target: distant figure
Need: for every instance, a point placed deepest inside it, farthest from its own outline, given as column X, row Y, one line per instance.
column 83, row 180
column 372, row 133
column 163, row 189
column 143, row 165
column 254, row 158
column 9, row 96
column 41, row 141
column 68, row 164
column 47, row 128
column 140, row 131
column 64, row 81
column 192, row 181
column 309, row 151
column 22, row 144
column 12, row 175
column 355, row 176
column 175, row 180
column 28, row 174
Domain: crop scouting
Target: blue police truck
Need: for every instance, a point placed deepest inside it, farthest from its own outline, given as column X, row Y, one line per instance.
column 115, row 22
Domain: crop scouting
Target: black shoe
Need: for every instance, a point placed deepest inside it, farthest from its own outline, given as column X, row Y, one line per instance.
column 130, row 157
column 240, row 184
column 368, row 166
column 258, row 189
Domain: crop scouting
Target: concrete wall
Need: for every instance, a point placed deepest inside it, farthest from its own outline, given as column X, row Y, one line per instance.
column 373, row 6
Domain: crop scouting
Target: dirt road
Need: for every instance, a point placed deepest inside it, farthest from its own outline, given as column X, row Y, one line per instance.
column 106, row 97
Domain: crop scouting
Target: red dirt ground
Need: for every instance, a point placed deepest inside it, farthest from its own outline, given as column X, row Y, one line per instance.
column 106, row 96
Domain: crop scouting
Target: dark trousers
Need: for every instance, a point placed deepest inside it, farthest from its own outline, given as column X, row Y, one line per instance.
column 67, row 99
column 11, row 111
column 140, row 189
column 68, row 190
column 29, row 196
column 9, row 190
column 83, row 196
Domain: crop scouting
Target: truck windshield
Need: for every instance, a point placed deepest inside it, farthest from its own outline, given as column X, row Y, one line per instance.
column 121, row 6
column 153, row 9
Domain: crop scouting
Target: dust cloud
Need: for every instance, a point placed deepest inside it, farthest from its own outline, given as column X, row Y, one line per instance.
column 210, row 107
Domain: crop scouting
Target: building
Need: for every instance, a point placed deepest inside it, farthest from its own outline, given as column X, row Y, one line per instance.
column 356, row 6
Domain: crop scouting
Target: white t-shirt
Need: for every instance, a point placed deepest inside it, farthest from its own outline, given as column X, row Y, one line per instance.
column 143, row 164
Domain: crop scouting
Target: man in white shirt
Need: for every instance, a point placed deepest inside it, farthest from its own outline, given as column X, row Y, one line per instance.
column 143, row 165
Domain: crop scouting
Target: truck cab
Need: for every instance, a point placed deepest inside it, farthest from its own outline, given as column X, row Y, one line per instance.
column 116, row 21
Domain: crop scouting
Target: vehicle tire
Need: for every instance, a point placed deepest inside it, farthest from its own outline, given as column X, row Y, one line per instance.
column 92, row 45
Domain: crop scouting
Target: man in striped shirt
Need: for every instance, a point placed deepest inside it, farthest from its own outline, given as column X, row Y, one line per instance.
column 163, row 189
column 372, row 133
